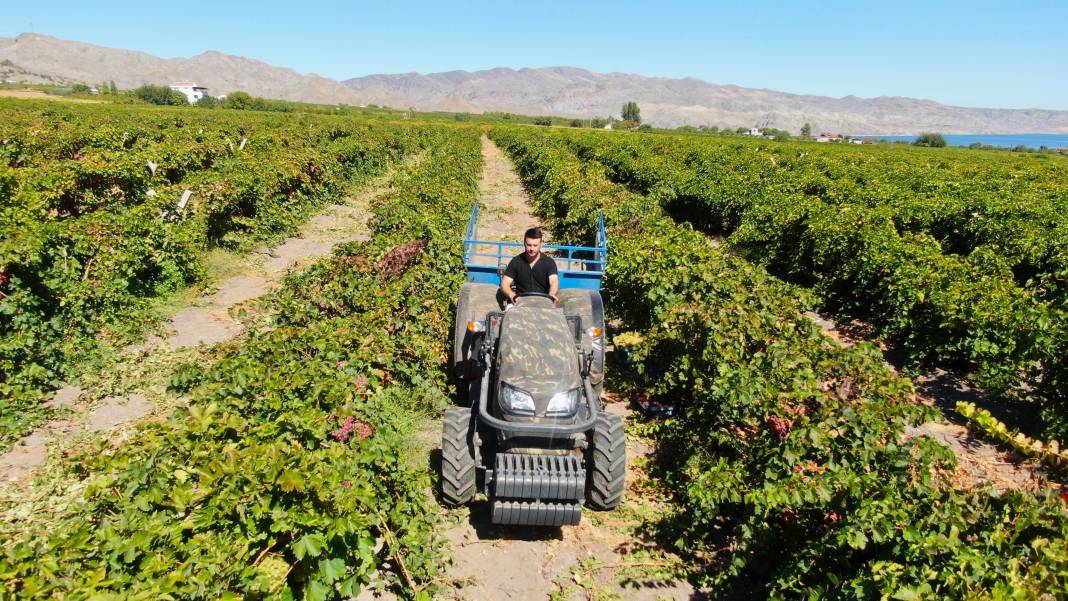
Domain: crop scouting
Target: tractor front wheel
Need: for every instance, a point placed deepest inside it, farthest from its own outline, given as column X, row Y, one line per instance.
column 458, row 463
column 606, row 464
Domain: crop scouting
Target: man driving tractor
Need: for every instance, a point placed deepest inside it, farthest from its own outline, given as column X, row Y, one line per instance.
column 531, row 270
column 531, row 432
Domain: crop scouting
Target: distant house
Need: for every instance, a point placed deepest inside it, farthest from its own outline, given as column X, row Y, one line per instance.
column 192, row 91
column 755, row 131
column 825, row 137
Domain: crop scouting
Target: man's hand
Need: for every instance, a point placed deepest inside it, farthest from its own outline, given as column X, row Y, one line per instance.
column 506, row 289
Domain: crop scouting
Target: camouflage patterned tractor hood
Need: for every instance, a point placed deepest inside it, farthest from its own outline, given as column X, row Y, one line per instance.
column 537, row 351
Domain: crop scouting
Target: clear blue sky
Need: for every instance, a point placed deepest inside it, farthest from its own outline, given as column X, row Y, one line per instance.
column 973, row 53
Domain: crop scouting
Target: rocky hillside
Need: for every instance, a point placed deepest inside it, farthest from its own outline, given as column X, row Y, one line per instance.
column 221, row 73
column 671, row 102
column 565, row 91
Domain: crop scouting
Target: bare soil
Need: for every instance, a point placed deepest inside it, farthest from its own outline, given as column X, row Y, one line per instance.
column 31, row 94
column 505, row 211
column 209, row 320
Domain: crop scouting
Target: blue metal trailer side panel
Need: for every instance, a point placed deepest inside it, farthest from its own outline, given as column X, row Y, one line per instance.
column 578, row 266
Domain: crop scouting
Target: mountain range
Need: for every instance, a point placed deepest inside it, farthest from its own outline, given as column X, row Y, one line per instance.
column 562, row 91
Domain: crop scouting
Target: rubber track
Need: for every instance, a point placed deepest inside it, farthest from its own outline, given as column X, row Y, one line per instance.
column 607, row 467
column 457, row 457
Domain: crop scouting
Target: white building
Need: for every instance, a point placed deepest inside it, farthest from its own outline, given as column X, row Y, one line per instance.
column 755, row 131
column 191, row 90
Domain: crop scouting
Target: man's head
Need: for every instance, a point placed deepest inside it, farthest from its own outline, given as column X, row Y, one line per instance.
column 532, row 242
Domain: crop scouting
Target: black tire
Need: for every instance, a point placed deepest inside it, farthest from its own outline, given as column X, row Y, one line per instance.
column 458, row 463
column 606, row 465
column 587, row 305
column 476, row 300
column 460, row 364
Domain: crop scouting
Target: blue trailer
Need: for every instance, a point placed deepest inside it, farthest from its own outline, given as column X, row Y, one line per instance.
column 578, row 266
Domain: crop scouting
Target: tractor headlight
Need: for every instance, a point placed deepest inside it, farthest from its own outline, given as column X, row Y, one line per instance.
column 563, row 403
column 514, row 400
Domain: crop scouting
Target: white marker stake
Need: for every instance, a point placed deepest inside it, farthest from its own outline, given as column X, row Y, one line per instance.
column 184, row 200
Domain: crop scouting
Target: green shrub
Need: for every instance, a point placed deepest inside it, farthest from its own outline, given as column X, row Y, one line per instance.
column 161, row 95
column 930, row 140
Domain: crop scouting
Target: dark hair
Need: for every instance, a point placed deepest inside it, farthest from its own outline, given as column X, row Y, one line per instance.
column 533, row 233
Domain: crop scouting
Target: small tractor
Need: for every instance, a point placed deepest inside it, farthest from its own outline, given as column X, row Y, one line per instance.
column 534, row 437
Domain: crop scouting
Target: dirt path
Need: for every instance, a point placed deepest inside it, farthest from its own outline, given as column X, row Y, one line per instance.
column 31, row 94
column 210, row 322
column 505, row 211
column 137, row 386
column 604, row 556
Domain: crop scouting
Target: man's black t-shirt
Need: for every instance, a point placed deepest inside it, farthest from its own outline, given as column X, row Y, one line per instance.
column 531, row 279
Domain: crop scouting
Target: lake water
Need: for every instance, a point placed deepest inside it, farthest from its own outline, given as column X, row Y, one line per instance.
column 1002, row 140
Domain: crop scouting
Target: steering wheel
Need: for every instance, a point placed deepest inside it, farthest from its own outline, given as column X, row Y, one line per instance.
column 536, row 294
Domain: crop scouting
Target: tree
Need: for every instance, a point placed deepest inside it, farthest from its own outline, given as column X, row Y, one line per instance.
column 598, row 123
column 112, row 88
column 631, row 112
column 240, row 101
column 930, row 140
column 543, row 121
column 777, row 134
column 160, row 95
column 806, row 130
column 576, row 123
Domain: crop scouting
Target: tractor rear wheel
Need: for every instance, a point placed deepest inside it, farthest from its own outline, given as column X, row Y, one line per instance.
column 606, row 464
column 476, row 300
column 458, row 462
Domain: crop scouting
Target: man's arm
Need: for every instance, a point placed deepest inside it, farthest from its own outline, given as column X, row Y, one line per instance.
column 506, row 287
column 508, row 278
column 554, row 286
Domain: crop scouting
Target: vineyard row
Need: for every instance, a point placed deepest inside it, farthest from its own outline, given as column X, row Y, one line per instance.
column 789, row 469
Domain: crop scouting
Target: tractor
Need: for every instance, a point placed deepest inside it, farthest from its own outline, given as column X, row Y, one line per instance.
column 534, row 436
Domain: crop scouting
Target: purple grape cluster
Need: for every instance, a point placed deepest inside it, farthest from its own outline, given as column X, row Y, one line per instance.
column 398, row 259
column 351, row 426
column 364, row 430
column 343, row 433
column 780, row 426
